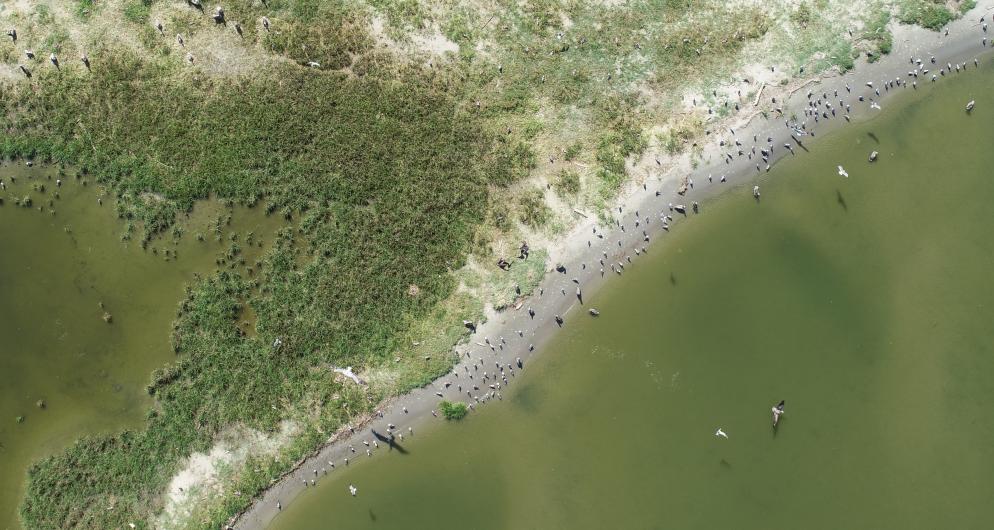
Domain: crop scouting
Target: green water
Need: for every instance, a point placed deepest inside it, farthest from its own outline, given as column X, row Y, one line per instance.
column 55, row 271
column 867, row 303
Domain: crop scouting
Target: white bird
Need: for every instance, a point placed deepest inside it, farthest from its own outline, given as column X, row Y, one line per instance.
column 347, row 372
column 843, row 172
column 874, row 105
column 721, row 433
column 352, row 490
column 778, row 411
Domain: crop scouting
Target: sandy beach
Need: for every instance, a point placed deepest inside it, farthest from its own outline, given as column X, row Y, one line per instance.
column 591, row 254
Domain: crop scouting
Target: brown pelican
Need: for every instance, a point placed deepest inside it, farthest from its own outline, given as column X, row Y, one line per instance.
column 218, row 15
column 265, row 23
column 777, row 412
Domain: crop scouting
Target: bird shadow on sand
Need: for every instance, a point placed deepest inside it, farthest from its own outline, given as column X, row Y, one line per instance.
column 841, row 200
column 873, row 137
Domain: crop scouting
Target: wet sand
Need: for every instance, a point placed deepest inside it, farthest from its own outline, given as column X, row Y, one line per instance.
column 486, row 352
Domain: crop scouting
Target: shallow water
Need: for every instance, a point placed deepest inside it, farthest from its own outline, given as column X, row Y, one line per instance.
column 865, row 303
column 55, row 272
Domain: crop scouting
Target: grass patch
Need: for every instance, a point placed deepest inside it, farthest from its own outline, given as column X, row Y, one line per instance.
column 931, row 14
column 572, row 151
column 137, row 11
column 675, row 139
column 453, row 411
column 877, row 36
column 84, row 8
column 532, row 209
column 567, row 183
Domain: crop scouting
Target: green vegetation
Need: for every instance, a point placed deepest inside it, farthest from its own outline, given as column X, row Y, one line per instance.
column 567, row 183
column 571, row 152
column 875, row 33
column 931, row 14
column 84, row 8
column 966, row 5
column 679, row 134
column 532, row 209
column 137, row 11
column 453, row 411
column 385, row 183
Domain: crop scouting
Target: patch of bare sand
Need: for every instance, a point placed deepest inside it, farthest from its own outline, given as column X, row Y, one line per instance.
column 204, row 475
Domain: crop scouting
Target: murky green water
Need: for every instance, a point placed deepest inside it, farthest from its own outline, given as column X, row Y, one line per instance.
column 55, row 272
column 867, row 303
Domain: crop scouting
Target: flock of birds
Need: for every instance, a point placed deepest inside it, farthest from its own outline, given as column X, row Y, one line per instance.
column 219, row 18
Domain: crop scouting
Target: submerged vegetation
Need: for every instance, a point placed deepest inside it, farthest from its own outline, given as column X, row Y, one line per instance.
column 394, row 164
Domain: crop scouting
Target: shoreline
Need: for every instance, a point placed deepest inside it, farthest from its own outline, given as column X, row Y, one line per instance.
column 643, row 203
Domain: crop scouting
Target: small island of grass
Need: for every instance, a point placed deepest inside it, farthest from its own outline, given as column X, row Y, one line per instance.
column 453, row 411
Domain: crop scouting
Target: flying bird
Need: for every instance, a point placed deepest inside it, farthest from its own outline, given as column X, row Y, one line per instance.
column 777, row 412
column 720, row 433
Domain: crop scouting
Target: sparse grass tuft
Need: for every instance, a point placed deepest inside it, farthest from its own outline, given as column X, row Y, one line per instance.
column 567, row 183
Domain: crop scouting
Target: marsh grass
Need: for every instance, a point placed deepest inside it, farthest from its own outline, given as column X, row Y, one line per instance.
column 385, row 182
